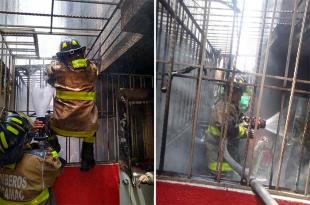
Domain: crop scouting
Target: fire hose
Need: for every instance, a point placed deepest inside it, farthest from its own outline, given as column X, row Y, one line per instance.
column 257, row 187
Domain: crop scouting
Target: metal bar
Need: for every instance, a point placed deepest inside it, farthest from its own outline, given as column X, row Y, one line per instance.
column 114, row 120
column 6, row 79
column 250, row 10
column 224, row 127
column 107, row 116
column 101, row 81
column 45, row 27
column 20, row 49
column 251, row 107
column 117, row 115
column 106, row 50
column 31, row 57
column 288, row 58
column 229, row 16
column 17, row 43
column 291, row 95
column 301, row 158
column 266, row 59
column 198, row 84
column 105, row 25
column 1, row 66
column 239, row 33
column 28, row 89
column 90, row 2
column 308, row 181
column 159, row 30
column 107, row 37
column 53, row 33
column 168, row 92
column 173, row 109
column 52, row 14
column 237, row 71
column 49, row 15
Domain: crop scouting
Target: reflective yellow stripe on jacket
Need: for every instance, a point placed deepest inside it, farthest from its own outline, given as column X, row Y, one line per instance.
column 225, row 167
column 38, row 200
column 74, row 95
column 85, row 134
column 214, row 131
column 242, row 131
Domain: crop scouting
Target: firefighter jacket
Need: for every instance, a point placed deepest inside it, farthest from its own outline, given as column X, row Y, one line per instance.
column 235, row 131
column 75, row 112
column 29, row 180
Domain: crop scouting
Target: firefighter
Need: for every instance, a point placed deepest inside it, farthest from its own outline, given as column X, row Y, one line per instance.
column 26, row 172
column 235, row 129
column 75, row 112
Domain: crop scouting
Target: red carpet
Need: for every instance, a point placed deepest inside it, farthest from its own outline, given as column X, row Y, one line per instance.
column 176, row 194
column 98, row 186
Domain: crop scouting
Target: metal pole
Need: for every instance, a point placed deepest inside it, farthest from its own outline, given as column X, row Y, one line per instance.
column 52, row 14
column 263, row 79
column 5, row 81
column 224, row 127
column 43, row 27
column 308, row 181
column 28, row 88
column 239, row 36
column 291, row 95
column 168, row 92
column 288, row 58
column 90, row 2
column 13, row 96
column 306, row 127
column 48, row 15
column 1, row 66
column 198, row 82
column 251, row 107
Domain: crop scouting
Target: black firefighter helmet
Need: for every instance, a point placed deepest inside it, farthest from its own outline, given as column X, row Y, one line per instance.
column 238, row 83
column 14, row 130
column 70, row 48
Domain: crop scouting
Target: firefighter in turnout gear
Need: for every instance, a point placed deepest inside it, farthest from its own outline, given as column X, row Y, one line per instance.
column 26, row 172
column 75, row 112
column 235, row 130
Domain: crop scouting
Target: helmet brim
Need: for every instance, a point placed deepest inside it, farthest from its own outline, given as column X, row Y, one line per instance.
column 60, row 54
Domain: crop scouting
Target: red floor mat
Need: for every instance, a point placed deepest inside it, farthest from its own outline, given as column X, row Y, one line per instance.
column 98, row 186
column 174, row 194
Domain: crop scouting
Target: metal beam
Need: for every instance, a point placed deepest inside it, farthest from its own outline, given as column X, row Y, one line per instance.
column 49, row 15
column 54, row 33
column 47, row 27
column 90, row 2
column 18, row 43
column 52, row 14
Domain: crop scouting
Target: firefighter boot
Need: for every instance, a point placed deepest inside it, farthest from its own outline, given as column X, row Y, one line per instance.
column 87, row 156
